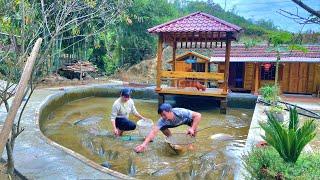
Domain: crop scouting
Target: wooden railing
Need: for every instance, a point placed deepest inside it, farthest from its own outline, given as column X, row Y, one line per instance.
column 195, row 75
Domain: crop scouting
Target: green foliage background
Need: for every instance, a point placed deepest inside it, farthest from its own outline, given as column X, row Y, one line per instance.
column 129, row 42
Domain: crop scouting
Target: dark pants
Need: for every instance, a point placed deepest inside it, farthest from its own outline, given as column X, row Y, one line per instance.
column 125, row 124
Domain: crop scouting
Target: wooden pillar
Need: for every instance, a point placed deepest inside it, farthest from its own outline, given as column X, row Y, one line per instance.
column 227, row 63
column 256, row 78
column 174, row 49
column 223, row 106
column 161, row 99
column 206, row 70
column 159, row 62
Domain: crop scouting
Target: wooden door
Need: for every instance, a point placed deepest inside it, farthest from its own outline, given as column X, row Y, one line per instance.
column 298, row 78
column 303, row 78
column 293, row 78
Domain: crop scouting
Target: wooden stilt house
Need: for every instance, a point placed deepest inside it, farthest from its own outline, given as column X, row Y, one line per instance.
column 197, row 30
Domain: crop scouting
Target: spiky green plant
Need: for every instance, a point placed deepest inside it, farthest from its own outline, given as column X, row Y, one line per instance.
column 288, row 140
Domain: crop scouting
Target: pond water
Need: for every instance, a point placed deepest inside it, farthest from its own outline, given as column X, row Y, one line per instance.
column 84, row 126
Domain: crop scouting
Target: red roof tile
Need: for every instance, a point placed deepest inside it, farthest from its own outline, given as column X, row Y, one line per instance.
column 196, row 22
column 262, row 51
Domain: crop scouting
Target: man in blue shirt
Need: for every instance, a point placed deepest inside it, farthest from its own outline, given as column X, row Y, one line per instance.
column 170, row 118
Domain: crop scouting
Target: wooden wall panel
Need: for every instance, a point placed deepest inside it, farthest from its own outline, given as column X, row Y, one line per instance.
column 293, row 77
column 285, row 77
column 311, row 75
column 316, row 76
column 303, row 78
column 249, row 76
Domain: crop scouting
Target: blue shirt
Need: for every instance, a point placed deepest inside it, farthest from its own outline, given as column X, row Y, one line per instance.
column 181, row 116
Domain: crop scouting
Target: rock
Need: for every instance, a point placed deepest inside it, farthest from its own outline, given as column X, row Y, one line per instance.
column 88, row 121
column 106, row 164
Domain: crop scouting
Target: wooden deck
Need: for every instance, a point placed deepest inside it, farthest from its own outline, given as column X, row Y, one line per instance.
column 192, row 91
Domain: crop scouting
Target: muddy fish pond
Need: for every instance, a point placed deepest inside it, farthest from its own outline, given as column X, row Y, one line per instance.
column 84, row 126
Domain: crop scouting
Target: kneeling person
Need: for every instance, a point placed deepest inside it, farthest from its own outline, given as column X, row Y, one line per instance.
column 170, row 118
column 121, row 109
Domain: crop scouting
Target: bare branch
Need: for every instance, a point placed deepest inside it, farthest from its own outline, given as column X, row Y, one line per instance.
column 307, row 8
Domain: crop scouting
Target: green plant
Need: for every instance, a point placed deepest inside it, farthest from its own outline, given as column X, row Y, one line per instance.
column 265, row 163
column 270, row 93
column 288, row 141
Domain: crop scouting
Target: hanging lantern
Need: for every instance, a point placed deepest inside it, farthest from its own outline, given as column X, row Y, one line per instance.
column 266, row 66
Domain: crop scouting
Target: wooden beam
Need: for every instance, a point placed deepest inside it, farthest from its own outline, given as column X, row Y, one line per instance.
column 159, row 61
column 256, row 78
column 195, row 75
column 227, row 63
column 208, row 93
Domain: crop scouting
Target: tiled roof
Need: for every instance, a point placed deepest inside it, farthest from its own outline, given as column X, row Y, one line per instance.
column 262, row 51
column 196, row 22
column 240, row 53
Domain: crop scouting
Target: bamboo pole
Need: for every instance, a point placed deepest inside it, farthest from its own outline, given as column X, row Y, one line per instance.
column 25, row 76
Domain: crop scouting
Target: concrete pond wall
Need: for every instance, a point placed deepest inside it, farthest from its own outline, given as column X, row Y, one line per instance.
column 235, row 100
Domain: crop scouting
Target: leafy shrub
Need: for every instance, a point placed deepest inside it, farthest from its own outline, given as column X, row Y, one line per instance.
column 265, row 163
column 288, row 141
column 270, row 93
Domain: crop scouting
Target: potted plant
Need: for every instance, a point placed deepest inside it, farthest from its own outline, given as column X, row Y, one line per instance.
column 270, row 95
column 277, row 112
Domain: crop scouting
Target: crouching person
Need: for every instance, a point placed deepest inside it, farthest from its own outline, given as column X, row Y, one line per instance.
column 121, row 109
column 171, row 118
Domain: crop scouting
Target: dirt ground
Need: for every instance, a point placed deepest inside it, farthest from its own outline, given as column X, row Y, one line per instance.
column 4, row 175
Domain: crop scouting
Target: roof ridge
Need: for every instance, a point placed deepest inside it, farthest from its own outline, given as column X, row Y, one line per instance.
column 221, row 21
column 208, row 17
column 172, row 21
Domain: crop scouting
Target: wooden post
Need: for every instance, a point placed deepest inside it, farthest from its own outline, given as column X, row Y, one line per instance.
column 227, row 63
column 223, row 106
column 206, row 70
column 161, row 99
column 159, row 62
column 25, row 76
column 174, row 48
column 256, row 77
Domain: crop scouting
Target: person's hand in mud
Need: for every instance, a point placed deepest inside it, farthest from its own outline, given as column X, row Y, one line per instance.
column 140, row 148
column 117, row 132
column 191, row 132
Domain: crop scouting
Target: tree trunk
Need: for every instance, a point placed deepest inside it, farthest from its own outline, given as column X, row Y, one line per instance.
column 10, row 162
column 7, row 127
